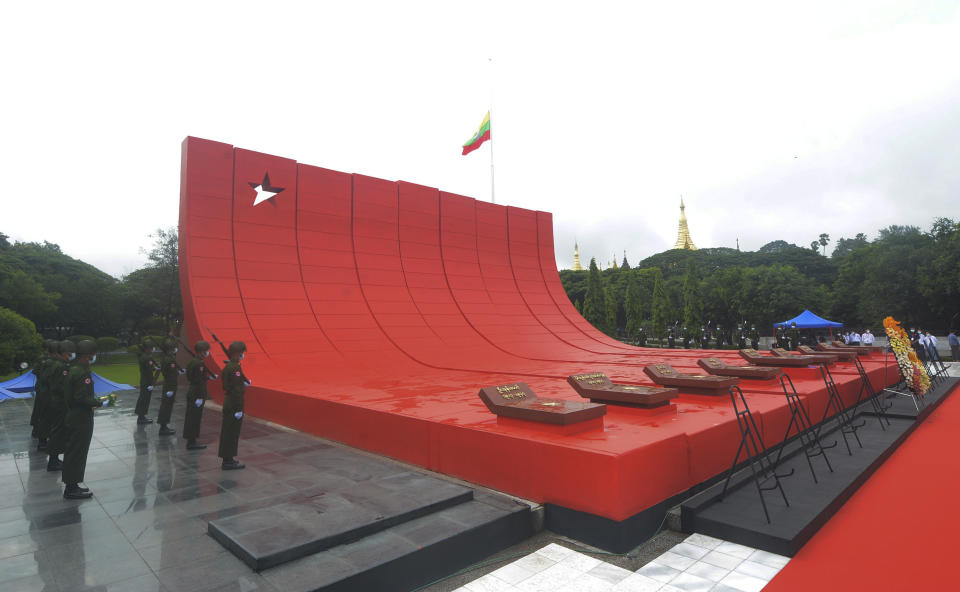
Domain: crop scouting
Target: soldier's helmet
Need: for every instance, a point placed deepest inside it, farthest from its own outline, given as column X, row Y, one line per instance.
column 146, row 344
column 168, row 345
column 237, row 347
column 201, row 346
column 86, row 347
column 67, row 347
column 51, row 345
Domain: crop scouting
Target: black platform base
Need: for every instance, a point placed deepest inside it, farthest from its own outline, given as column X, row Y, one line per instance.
column 738, row 517
column 357, row 522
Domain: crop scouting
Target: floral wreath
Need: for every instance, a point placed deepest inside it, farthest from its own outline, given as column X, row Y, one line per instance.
column 914, row 374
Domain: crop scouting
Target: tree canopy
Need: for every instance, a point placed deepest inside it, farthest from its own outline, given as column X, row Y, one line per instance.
column 904, row 272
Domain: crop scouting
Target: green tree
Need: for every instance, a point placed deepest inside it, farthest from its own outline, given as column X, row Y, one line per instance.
column 164, row 260
column 660, row 307
column 939, row 275
column 692, row 303
column 824, row 241
column 594, row 308
column 19, row 341
column 633, row 305
column 610, row 310
column 26, row 296
column 845, row 246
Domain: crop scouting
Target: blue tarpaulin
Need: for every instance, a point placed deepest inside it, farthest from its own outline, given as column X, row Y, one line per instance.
column 22, row 386
column 808, row 320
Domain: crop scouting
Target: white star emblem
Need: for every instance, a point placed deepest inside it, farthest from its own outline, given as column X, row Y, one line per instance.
column 264, row 190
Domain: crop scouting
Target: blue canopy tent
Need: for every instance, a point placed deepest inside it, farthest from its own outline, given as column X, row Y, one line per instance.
column 808, row 320
column 20, row 384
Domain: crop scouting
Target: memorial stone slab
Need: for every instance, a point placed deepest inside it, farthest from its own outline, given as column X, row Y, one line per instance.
column 811, row 359
column 597, row 387
column 698, row 384
column 720, row 368
column 518, row 401
column 758, row 359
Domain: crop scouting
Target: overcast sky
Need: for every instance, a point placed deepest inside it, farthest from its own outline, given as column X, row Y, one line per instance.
column 773, row 120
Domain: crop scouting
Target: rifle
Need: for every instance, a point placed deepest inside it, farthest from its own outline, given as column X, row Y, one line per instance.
column 222, row 346
column 191, row 352
column 226, row 352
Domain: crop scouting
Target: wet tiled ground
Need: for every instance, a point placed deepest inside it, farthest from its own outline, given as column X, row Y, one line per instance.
column 145, row 529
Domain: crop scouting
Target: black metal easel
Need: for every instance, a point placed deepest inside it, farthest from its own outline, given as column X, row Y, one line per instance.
column 844, row 419
column 809, row 437
column 866, row 388
column 751, row 442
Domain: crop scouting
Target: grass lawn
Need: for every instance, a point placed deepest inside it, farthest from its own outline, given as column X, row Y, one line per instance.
column 120, row 368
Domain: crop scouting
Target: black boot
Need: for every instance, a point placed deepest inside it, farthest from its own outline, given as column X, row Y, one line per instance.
column 165, row 431
column 143, row 419
column 74, row 491
column 54, row 464
column 232, row 464
column 192, row 445
column 42, row 444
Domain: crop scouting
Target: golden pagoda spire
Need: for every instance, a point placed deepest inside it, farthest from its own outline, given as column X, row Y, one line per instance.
column 683, row 234
column 576, row 257
column 615, row 261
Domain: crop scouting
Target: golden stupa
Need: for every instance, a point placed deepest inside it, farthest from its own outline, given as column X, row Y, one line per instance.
column 576, row 257
column 683, row 234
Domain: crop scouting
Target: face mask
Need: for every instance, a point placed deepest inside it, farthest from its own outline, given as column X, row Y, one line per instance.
column 153, row 351
column 176, row 349
column 72, row 357
column 93, row 359
column 242, row 356
column 206, row 354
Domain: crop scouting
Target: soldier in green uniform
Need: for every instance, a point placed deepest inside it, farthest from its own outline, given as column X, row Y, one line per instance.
column 741, row 338
column 56, row 381
column 81, row 401
column 671, row 337
column 148, row 367
column 779, row 338
column 794, row 336
column 754, row 337
column 170, row 370
column 686, row 338
column 197, row 374
column 41, row 394
column 641, row 338
column 234, row 385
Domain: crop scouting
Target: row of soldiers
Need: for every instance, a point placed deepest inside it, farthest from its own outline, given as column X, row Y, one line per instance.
column 701, row 339
column 65, row 400
column 159, row 360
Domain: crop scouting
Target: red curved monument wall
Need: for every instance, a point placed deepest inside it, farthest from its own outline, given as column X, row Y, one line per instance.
column 374, row 311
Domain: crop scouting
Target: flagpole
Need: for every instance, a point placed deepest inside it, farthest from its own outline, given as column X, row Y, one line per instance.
column 493, row 198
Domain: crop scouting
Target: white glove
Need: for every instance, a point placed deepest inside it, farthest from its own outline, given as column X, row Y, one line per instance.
column 169, row 393
column 150, row 388
column 216, row 376
column 246, row 382
column 198, row 402
column 238, row 414
column 105, row 402
column 182, row 371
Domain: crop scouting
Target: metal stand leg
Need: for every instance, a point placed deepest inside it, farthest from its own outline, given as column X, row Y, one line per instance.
column 866, row 388
column 757, row 455
column 847, row 426
column 809, row 437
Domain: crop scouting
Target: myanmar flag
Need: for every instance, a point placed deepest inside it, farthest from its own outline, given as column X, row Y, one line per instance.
column 479, row 137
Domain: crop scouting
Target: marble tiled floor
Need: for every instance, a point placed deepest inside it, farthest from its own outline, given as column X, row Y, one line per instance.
column 698, row 564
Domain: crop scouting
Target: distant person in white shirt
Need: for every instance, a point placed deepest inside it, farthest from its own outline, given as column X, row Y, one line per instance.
column 854, row 338
column 931, row 343
column 866, row 338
